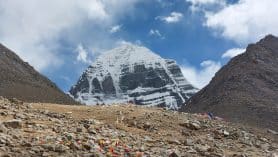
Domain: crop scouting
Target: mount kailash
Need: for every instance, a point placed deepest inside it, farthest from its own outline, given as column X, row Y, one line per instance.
column 132, row 73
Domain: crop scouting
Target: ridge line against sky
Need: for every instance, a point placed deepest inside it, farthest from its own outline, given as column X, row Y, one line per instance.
column 60, row 38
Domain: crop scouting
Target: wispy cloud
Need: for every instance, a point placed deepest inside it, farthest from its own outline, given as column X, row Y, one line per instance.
column 200, row 5
column 174, row 17
column 82, row 54
column 115, row 28
column 156, row 33
column 201, row 77
column 233, row 52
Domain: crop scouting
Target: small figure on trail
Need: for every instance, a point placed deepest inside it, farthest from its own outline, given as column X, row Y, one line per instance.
column 210, row 115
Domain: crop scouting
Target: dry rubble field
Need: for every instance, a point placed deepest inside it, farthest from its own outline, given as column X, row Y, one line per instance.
column 35, row 129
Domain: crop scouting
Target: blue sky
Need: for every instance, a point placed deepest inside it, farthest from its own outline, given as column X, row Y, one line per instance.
column 60, row 38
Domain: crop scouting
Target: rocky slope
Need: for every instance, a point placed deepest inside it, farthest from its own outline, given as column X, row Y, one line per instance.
column 246, row 89
column 133, row 74
column 34, row 129
column 18, row 79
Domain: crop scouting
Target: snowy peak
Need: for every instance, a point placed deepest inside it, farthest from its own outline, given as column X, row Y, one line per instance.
column 127, row 55
column 134, row 74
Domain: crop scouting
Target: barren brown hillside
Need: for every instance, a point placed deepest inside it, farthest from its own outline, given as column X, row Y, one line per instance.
column 20, row 80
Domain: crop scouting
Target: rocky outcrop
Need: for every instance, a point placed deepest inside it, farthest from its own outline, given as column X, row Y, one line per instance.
column 246, row 89
column 19, row 80
column 133, row 74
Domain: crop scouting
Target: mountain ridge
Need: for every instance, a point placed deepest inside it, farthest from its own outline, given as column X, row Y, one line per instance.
column 244, row 90
column 20, row 80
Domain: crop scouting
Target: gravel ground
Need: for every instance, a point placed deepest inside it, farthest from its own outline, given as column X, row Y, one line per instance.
column 34, row 129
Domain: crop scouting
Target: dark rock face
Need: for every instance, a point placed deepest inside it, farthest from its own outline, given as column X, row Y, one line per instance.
column 153, row 82
column 246, row 89
column 108, row 86
column 150, row 77
column 97, row 86
column 19, row 80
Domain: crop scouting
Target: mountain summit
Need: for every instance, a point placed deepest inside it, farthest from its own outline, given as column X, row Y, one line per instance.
column 135, row 74
column 246, row 89
column 20, row 80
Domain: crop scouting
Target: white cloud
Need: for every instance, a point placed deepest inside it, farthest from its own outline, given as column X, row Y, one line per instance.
column 164, row 3
column 124, row 42
column 205, row 2
column 82, row 54
column 155, row 32
column 197, row 5
column 233, row 52
column 33, row 28
column 115, row 28
column 245, row 21
column 200, row 78
column 174, row 17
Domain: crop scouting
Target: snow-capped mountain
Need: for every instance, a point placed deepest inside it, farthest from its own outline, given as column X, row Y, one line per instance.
column 134, row 74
